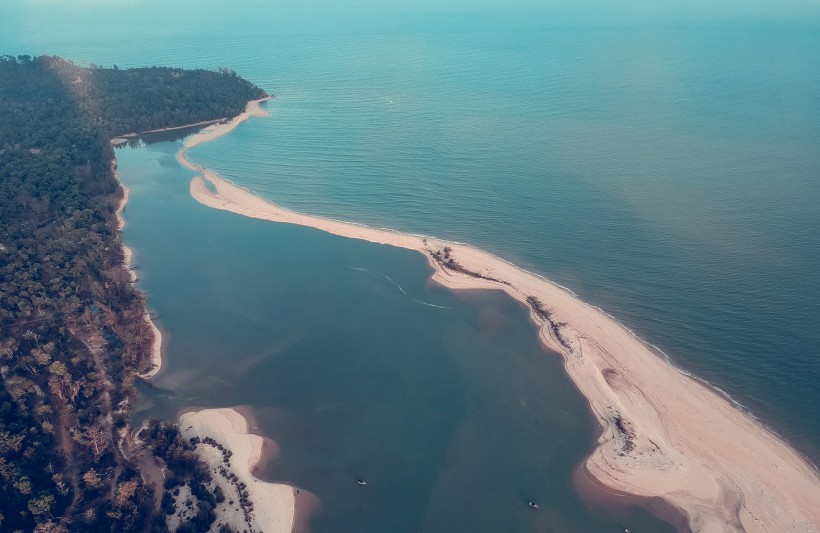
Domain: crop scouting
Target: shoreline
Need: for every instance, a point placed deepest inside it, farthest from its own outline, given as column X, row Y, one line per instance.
column 119, row 140
column 128, row 255
column 215, row 129
column 664, row 433
column 218, row 129
column 226, row 426
column 274, row 505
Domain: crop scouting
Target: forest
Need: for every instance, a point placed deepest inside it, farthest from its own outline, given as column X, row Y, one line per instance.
column 73, row 333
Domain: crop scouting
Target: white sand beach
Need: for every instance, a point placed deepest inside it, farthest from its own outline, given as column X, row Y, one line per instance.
column 274, row 504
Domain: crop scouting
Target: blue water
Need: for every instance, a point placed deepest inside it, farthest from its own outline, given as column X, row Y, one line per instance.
column 359, row 367
column 662, row 163
column 672, row 178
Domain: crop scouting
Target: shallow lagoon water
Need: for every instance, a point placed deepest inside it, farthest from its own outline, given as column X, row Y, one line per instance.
column 359, row 367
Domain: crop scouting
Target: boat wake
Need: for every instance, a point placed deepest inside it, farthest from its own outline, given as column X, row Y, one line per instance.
column 391, row 280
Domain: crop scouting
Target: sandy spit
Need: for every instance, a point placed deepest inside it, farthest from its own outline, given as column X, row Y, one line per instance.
column 274, row 504
column 663, row 433
column 215, row 131
column 125, row 137
column 156, row 345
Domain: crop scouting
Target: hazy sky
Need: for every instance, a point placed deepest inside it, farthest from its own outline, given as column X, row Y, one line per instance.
column 353, row 15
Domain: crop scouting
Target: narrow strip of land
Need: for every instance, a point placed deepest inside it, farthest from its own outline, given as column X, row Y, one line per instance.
column 664, row 434
column 217, row 130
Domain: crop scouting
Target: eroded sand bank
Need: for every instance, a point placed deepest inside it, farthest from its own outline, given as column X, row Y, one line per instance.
column 664, row 434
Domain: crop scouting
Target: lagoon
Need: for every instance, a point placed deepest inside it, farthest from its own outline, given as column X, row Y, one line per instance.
column 358, row 367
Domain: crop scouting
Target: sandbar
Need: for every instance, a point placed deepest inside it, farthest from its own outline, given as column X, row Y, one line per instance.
column 664, row 434
column 274, row 504
column 217, row 130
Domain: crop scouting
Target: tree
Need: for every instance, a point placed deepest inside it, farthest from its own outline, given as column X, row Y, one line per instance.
column 92, row 479
column 50, row 527
column 97, row 439
column 64, row 287
column 41, row 505
column 125, row 491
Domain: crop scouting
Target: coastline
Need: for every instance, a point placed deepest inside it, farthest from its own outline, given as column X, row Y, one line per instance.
column 274, row 504
column 217, row 130
column 664, row 434
column 124, row 138
column 128, row 254
column 214, row 130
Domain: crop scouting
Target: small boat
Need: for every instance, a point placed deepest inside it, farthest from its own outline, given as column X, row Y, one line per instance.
column 361, row 482
column 533, row 505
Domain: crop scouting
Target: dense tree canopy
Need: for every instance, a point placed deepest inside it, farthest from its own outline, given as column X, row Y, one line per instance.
column 72, row 330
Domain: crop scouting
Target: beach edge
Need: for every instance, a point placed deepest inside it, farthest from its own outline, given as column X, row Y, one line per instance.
column 128, row 256
column 273, row 504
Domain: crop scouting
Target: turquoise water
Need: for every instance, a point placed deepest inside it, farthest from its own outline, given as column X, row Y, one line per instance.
column 359, row 367
column 663, row 164
column 672, row 178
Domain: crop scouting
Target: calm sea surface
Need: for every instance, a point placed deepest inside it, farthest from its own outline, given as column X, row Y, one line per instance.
column 670, row 176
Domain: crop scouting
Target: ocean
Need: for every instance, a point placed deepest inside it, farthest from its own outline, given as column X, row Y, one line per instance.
column 672, row 180
column 665, row 170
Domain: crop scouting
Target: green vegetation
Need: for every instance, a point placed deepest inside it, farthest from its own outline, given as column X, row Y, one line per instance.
column 72, row 330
